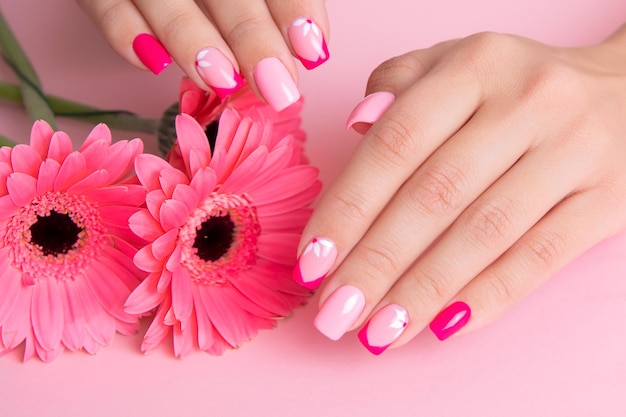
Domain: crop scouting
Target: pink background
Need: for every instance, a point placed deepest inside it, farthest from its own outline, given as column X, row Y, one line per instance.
column 561, row 352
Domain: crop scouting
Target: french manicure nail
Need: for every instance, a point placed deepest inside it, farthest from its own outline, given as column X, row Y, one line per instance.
column 308, row 42
column 275, row 83
column 450, row 320
column 316, row 260
column 218, row 72
column 369, row 110
column 340, row 312
column 384, row 328
column 151, row 52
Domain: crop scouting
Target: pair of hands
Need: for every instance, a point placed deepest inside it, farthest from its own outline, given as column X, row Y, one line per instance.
column 487, row 163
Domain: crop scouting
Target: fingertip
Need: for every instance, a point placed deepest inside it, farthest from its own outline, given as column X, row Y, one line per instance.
column 151, row 52
column 369, row 110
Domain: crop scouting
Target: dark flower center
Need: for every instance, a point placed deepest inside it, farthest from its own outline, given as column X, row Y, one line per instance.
column 214, row 238
column 55, row 233
column 211, row 133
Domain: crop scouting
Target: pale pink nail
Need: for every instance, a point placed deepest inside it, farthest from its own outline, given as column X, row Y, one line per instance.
column 308, row 42
column 151, row 52
column 275, row 83
column 340, row 312
column 218, row 72
column 315, row 262
column 369, row 110
column 450, row 320
column 384, row 328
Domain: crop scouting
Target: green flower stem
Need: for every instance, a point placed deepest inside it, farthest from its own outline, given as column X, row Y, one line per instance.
column 121, row 120
column 4, row 141
column 35, row 102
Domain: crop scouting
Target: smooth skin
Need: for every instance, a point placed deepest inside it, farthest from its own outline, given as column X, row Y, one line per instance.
column 245, row 31
column 500, row 161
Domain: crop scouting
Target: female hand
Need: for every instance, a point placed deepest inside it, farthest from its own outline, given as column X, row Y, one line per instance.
column 218, row 43
column 500, row 160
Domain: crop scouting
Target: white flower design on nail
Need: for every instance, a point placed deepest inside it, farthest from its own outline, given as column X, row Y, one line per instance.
column 321, row 247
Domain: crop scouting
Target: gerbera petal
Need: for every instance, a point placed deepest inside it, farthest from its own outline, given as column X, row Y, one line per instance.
column 164, row 245
column 25, row 159
column 148, row 168
column 100, row 325
column 278, row 247
column 263, row 295
column 173, row 214
column 5, row 171
column 303, row 199
column 182, row 301
column 48, row 355
column 243, row 302
column 48, row 171
column 100, row 132
column 95, row 154
column 205, row 327
column 18, row 325
column 10, row 286
column 291, row 181
column 184, row 338
column 143, row 225
column 109, row 290
column 154, row 199
column 96, row 179
column 47, row 313
column 287, row 222
column 198, row 159
column 203, row 183
column 121, row 156
column 173, row 263
column 74, row 326
column 234, row 151
column 60, row 147
column 164, row 281
column 72, row 170
column 40, row 135
column 117, row 215
column 145, row 297
column 231, row 322
column 254, row 163
column 145, row 260
column 7, row 207
column 190, row 136
column 22, row 188
column 158, row 331
column 170, row 178
column 187, row 195
column 130, row 194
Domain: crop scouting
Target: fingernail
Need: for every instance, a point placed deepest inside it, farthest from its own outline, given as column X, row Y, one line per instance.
column 369, row 110
column 151, row 52
column 275, row 83
column 450, row 320
column 308, row 42
column 340, row 312
column 384, row 328
column 218, row 72
column 315, row 262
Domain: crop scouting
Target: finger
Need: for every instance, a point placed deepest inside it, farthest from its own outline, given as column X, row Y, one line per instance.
column 305, row 28
column 416, row 124
column 574, row 226
column 126, row 30
column 265, row 60
column 190, row 37
column 481, row 234
column 390, row 79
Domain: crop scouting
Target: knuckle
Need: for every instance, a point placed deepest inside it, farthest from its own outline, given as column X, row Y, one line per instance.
column 394, row 141
column 491, row 222
column 380, row 260
column 543, row 250
column 429, row 285
column 176, row 21
column 501, row 289
column 248, row 27
column 478, row 51
column 399, row 68
column 437, row 189
column 350, row 205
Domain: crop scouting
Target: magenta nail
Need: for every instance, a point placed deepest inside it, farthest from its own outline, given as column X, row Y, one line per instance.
column 340, row 312
column 308, row 42
column 275, row 83
column 450, row 320
column 369, row 110
column 316, row 260
column 218, row 72
column 151, row 52
column 384, row 328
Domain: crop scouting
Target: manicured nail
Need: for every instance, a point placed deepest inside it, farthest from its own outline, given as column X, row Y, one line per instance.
column 340, row 312
column 308, row 42
column 218, row 72
column 151, row 52
column 275, row 83
column 315, row 262
column 384, row 328
column 450, row 320
column 369, row 110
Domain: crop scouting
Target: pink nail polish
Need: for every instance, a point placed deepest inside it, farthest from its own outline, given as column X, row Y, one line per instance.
column 151, row 52
column 218, row 72
column 315, row 262
column 450, row 320
column 369, row 110
column 308, row 42
column 340, row 312
column 275, row 83
column 384, row 328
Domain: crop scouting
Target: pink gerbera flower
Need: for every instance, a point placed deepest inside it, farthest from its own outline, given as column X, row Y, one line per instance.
column 223, row 228
column 65, row 247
